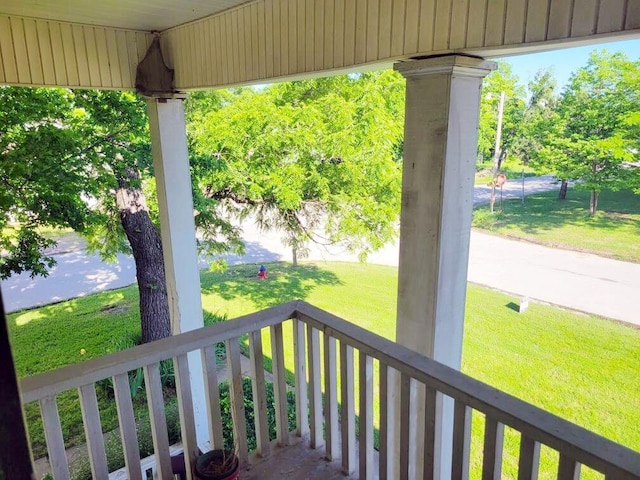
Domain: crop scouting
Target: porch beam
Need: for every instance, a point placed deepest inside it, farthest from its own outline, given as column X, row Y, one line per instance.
column 441, row 134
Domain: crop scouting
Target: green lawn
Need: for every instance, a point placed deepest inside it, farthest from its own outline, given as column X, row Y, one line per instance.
column 612, row 232
column 580, row 367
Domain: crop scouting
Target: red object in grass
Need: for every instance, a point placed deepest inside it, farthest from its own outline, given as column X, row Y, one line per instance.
column 262, row 272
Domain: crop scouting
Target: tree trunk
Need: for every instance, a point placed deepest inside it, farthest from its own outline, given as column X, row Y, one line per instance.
column 502, row 157
column 146, row 245
column 294, row 252
column 593, row 202
column 563, row 190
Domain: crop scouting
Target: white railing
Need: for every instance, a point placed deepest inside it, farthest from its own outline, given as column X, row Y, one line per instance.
column 319, row 341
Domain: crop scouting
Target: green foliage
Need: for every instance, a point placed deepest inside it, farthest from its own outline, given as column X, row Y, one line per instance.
column 537, row 118
column 587, row 137
column 38, row 130
column 317, row 159
column 227, row 420
column 136, row 377
column 63, row 156
column 211, row 319
column 62, row 152
column 81, row 468
column 500, row 80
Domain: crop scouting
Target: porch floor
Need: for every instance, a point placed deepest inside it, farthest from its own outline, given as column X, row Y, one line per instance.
column 300, row 462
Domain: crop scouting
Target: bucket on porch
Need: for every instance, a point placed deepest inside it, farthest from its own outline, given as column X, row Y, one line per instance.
column 217, row 465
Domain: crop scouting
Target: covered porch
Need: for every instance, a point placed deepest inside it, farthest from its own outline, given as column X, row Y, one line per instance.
column 346, row 383
column 338, row 370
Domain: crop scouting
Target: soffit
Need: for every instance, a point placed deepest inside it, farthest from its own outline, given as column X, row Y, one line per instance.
column 147, row 15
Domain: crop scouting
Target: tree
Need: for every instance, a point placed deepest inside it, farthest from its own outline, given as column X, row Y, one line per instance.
column 315, row 159
column 81, row 160
column 589, row 137
column 291, row 155
column 539, row 118
column 500, row 80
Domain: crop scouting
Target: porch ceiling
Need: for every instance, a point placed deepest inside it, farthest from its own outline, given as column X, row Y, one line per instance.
column 217, row 43
column 148, row 15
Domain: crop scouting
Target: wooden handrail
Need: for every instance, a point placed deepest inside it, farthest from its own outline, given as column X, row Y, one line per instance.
column 578, row 443
column 79, row 374
column 574, row 443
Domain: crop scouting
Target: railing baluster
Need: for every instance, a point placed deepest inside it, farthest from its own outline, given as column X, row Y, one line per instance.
column 185, row 408
column 302, row 402
column 212, row 392
column 568, row 468
column 53, row 437
column 236, row 392
column 315, row 387
column 432, row 433
column 383, row 448
column 529, row 459
column 461, row 441
column 577, row 446
column 331, row 397
column 158, row 420
column 347, row 412
column 93, row 431
column 259, row 393
column 405, row 420
column 127, row 423
column 493, row 445
column 280, row 385
column 366, row 416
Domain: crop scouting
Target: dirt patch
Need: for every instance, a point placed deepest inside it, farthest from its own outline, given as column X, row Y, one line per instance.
column 624, row 216
column 114, row 309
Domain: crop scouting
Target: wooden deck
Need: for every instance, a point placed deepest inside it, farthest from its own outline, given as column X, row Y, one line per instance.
column 298, row 461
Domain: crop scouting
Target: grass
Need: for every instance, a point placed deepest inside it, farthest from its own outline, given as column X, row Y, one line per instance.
column 70, row 332
column 612, row 232
column 580, row 367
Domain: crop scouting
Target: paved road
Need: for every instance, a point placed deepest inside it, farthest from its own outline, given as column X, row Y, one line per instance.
column 575, row 280
column 513, row 188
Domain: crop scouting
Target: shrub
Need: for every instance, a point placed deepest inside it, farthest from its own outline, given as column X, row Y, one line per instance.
column 81, row 469
column 227, row 421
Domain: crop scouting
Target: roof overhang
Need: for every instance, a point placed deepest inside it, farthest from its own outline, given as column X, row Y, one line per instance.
column 143, row 15
column 218, row 43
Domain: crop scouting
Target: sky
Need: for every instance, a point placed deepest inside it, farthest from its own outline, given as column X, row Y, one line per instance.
column 567, row 60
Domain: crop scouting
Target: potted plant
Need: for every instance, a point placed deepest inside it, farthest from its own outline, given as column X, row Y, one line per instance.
column 217, row 465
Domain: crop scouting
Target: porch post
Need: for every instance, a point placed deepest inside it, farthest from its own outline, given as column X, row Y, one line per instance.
column 178, row 232
column 441, row 135
column 15, row 453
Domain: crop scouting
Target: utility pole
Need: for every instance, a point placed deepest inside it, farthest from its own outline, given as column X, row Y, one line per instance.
column 496, row 151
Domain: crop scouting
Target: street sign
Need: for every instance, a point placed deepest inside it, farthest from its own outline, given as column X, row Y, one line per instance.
column 501, row 179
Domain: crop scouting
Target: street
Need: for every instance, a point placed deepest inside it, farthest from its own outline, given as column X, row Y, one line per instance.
column 570, row 279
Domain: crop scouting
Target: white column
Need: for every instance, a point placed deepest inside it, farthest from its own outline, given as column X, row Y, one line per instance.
column 178, row 231
column 441, row 135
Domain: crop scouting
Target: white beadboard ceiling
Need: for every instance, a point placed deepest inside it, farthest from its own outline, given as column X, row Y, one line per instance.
column 148, row 15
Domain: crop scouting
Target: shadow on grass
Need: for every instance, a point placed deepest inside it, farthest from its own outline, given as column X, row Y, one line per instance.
column 544, row 212
column 283, row 283
column 513, row 306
